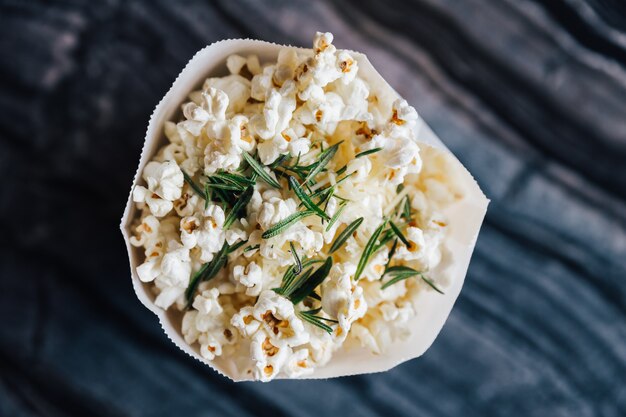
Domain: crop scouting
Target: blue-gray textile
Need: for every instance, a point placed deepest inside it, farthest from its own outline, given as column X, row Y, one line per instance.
column 530, row 95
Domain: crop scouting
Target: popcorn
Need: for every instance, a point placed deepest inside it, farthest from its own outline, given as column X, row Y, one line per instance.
column 250, row 276
column 236, row 88
column 274, row 329
column 208, row 324
column 294, row 109
column 235, row 64
column 204, row 232
column 342, row 298
column 165, row 181
column 279, row 107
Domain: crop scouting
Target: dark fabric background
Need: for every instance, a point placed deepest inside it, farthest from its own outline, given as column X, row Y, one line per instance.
column 531, row 96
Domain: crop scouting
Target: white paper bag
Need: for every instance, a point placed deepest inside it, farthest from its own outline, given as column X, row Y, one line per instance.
column 464, row 220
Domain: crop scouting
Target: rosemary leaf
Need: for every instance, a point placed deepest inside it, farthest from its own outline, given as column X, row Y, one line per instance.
column 249, row 248
column 237, row 245
column 223, row 186
column 235, row 179
column 392, row 252
column 384, row 239
column 401, row 269
column 368, row 251
column 431, row 284
column 343, row 236
column 396, row 279
column 290, row 275
column 342, row 170
column 407, row 209
column 279, row 160
column 401, row 273
column 207, row 195
column 193, row 185
column 308, row 285
column 207, row 271
column 306, row 200
column 315, row 296
column 323, row 160
column 258, row 168
column 290, row 283
column 335, row 217
column 286, row 223
column 368, row 152
column 314, row 320
column 298, row 265
column 398, row 233
column 239, row 205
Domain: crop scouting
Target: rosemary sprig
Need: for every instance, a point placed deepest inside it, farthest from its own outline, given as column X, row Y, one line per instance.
column 400, row 273
column 321, row 163
column 306, row 200
column 208, row 271
column 298, row 264
column 304, row 287
column 343, row 236
column 369, row 250
column 368, row 152
column 398, row 233
column 258, row 168
column 237, row 207
column 193, row 185
column 290, row 275
column 310, row 317
column 224, row 186
column 335, row 217
column 286, row 223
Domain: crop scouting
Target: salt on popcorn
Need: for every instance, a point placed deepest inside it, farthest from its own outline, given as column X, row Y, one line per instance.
column 265, row 171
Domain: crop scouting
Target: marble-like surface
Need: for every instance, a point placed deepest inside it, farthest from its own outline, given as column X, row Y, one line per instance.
column 531, row 96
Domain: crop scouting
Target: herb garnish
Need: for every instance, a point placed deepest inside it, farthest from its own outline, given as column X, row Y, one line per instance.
column 407, row 209
column 310, row 317
column 193, row 185
column 239, row 205
column 400, row 273
column 296, row 287
column 343, row 236
column 368, row 152
column 358, row 155
column 306, row 173
column 335, row 217
column 286, row 223
column 392, row 252
column 258, row 169
column 298, row 263
column 321, row 163
column 208, row 271
column 368, row 251
column 304, row 287
column 251, row 248
column 398, row 233
column 306, row 200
